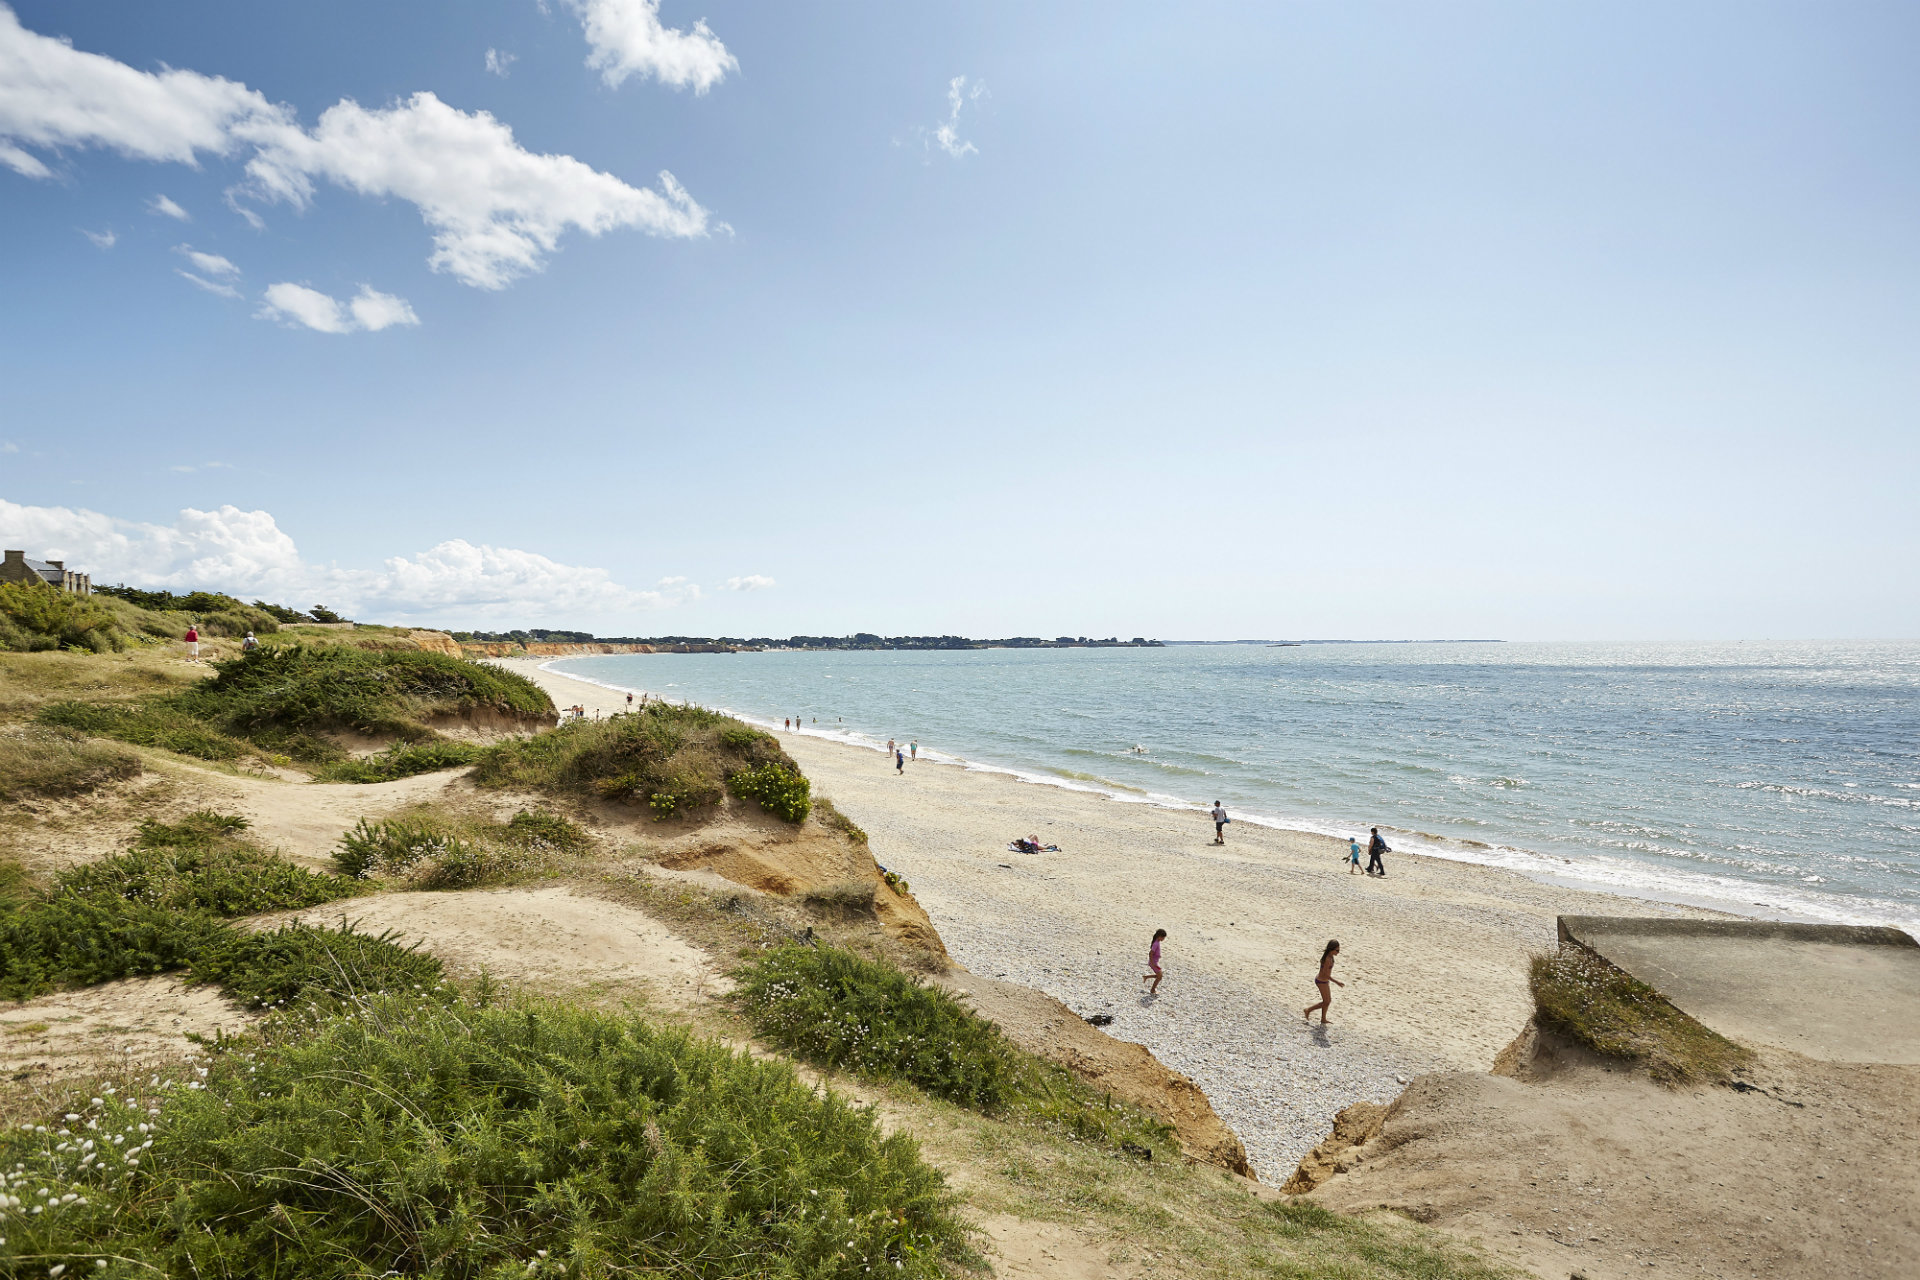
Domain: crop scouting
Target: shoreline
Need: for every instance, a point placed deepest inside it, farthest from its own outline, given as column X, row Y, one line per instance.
column 1543, row 868
column 1435, row 956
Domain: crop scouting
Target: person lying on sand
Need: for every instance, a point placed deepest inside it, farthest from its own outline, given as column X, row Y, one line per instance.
column 1327, row 958
column 1153, row 962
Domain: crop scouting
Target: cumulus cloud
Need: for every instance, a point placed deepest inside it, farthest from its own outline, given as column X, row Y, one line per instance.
column 211, row 286
column 751, row 582
column 947, row 136
column 211, row 263
column 369, row 310
column 167, row 208
column 628, row 38
column 498, row 62
column 496, row 210
column 247, row 554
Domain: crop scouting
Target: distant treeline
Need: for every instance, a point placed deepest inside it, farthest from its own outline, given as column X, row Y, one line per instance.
column 859, row 640
column 212, row 602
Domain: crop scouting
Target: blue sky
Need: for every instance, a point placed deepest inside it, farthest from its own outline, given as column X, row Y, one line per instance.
column 1201, row 321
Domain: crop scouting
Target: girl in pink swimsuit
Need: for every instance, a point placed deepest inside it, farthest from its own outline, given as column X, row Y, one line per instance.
column 1327, row 958
column 1153, row 962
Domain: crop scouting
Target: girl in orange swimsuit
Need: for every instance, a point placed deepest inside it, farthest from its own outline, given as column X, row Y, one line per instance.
column 1327, row 958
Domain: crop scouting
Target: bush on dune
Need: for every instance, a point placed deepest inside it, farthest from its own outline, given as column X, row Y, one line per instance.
column 424, row 1138
column 202, row 863
column 676, row 760
column 155, row 723
column 836, row 1009
column 441, row 851
column 46, row 761
column 35, row 616
column 402, row 760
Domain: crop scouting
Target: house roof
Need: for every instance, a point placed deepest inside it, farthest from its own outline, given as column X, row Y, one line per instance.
column 44, row 569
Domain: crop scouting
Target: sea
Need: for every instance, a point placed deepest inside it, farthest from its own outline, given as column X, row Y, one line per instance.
column 1774, row 780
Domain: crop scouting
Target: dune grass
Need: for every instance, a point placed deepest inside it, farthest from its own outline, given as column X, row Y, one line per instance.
column 1596, row 1004
column 426, row 1137
column 836, row 1009
column 283, row 702
column 39, row 760
column 430, row 848
column 677, row 761
column 204, row 862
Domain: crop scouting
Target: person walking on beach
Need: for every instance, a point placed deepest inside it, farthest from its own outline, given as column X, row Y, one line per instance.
column 1353, row 854
column 1376, row 847
column 891, row 748
column 1327, row 958
column 1153, row 962
column 899, row 760
column 913, row 748
column 1220, row 821
column 193, row 643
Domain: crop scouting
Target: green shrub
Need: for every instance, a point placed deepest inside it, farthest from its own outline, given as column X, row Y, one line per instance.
column 1584, row 997
column 402, row 760
column 780, row 790
column 47, row 761
column 394, row 845
column 307, row 689
column 202, row 863
column 444, row 852
column 840, row 1010
column 300, row 963
column 155, row 723
column 70, row 941
column 527, row 1143
column 36, row 616
column 675, row 760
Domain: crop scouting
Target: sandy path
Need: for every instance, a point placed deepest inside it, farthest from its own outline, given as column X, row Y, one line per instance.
column 1434, row 956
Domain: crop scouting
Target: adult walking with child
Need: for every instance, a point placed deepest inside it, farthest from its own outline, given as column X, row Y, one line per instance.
column 1376, row 847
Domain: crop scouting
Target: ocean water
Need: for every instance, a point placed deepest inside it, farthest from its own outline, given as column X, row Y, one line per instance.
column 1778, row 779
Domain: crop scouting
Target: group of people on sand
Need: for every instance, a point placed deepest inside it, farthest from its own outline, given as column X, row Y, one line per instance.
column 902, row 755
column 1323, row 981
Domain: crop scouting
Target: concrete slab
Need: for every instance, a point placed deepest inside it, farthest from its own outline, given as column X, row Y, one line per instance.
column 1837, row 993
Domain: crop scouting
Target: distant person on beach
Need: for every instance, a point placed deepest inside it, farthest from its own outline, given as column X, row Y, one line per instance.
column 193, row 643
column 1220, row 821
column 914, row 749
column 1353, row 854
column 1327, row 958
column 249, row 644
column 1376, row 847
column 891, row 748
column 629, row 701
column 1153, row 962
column 899, row 760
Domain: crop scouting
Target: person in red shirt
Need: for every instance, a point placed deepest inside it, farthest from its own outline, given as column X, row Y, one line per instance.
column 193, row 643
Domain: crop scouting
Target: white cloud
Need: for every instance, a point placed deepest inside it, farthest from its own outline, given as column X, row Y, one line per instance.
column 751, row 582
column 297, row 304
column 101, row 239
column 496, row 210
column 248, row 554
column 53, row 96
column 499, row 63
column 628, row 38
column 205, row 466
column 211, row 263
column 374, row 311
column 162, row 205
column 369, row 310
column 8, row 446
column 947, row 136
column 211, row 286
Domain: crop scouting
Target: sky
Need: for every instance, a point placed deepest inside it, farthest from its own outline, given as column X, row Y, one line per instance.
column 1201, row 321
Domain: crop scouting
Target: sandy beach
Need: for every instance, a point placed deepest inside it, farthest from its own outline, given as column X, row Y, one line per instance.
column 1434, row 957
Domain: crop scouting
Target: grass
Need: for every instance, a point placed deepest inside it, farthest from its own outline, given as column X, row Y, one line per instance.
column 428, row 1138
column 677, row 761
column 836, row 1009
column 35, row 616
column 433, row 849
column 54, row 762
column 1594, row 1003
column 202, row 863
column 402, row 760
column 29, row 681
column 163, row 906
column 284, row 702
